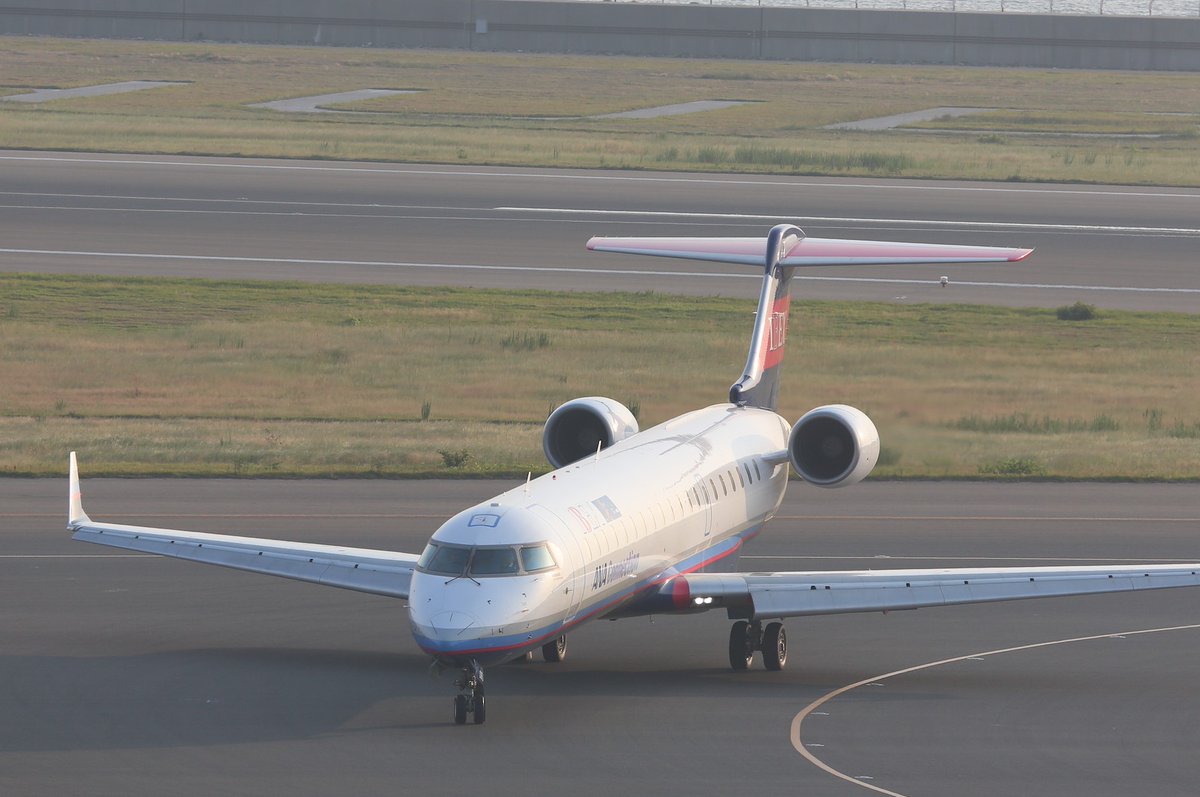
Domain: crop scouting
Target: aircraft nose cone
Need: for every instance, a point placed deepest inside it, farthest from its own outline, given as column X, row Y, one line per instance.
column 451, row 621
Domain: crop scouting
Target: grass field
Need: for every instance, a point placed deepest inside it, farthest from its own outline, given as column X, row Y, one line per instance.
column 521, row 109
column 160, row 376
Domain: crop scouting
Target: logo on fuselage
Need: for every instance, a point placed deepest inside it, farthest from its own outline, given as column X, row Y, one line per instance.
column 609, row 572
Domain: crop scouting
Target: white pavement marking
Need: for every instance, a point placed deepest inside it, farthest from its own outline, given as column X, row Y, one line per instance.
column 566, row 270
column 240, row 212
column 1161, row 232
column 241, row 200
column 941, row 558
column 1014, row 518
column 801, row 747
column 519, row 174
column 46, row 95
column 1020, row 225
column 655, row 214
column 78, row 556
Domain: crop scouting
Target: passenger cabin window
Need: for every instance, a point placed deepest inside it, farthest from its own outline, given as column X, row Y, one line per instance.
column 746, row 467
column 757, row 472
column 741, row 478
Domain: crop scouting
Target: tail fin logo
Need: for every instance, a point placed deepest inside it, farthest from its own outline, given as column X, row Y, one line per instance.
column 776, row 333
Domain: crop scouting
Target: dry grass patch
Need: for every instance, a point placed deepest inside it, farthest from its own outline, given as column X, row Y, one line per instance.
column 522, row 109
column 175, row 376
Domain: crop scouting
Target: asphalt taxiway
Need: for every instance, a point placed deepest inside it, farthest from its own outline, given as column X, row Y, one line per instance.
column 1126, row 247
column 126, row 674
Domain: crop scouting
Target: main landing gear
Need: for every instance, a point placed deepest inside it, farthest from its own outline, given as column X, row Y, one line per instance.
column 555, row 650
column 746, row 637
column 470, row 697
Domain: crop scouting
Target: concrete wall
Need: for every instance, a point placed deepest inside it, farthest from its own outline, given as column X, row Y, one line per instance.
column 797, row 34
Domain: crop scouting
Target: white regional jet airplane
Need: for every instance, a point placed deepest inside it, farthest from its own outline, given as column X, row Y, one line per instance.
column 633, row 523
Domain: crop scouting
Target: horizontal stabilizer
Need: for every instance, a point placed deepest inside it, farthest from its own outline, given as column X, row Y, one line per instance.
column 808, row 251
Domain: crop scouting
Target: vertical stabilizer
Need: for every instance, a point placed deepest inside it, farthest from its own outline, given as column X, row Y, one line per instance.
column 759, row 383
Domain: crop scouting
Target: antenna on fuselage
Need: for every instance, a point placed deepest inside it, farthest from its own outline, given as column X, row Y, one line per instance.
column 528, row 478
column 599, row 445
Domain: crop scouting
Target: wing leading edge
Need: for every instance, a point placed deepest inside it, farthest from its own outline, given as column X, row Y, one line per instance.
column 363, row 570
column 796, row 594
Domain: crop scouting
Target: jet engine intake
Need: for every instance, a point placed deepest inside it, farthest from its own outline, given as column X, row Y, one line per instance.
column 834, row 446
column 584, row 425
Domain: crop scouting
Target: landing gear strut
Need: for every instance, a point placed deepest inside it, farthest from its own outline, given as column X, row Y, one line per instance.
column 746, row 637
column 470, row 697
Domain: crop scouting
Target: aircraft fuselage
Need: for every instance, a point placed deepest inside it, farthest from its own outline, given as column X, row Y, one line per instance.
column 680, row 497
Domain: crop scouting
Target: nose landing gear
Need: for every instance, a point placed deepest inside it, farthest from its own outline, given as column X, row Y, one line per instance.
column 747, row 637
column 470, row 699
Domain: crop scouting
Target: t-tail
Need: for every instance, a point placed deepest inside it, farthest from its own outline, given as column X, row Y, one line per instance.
column 785, row 249
column 759, row 383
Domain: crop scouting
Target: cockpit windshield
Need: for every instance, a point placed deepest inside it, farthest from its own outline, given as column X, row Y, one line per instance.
column 450, row 560
column 494, row 562
column 491, row 560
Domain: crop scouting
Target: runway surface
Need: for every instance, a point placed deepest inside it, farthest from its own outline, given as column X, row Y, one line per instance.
column 1133, row 248
column 126, row 674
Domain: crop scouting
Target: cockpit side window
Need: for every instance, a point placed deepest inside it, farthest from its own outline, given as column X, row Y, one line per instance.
column 449, row 560
column 494, row 562
column 536, row 557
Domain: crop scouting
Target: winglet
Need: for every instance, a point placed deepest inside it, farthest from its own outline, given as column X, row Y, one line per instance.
column 75, row 513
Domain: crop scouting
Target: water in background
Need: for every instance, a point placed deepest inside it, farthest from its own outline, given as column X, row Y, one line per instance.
column 1108, row 8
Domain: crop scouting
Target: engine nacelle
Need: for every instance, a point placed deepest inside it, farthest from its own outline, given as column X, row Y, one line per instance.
column 834, row 446
column 579, row 427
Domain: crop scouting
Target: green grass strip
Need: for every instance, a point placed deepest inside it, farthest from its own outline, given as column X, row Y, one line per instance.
column 194, row 377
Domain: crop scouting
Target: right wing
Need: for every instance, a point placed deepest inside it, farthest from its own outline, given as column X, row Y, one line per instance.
column 796, row 594
column 378, row 572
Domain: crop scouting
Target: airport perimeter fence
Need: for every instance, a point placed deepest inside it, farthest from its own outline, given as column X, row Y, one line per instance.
column 759, row 32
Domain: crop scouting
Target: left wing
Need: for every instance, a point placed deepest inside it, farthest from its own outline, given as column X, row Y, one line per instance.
column 763, row 595
column 378, row 572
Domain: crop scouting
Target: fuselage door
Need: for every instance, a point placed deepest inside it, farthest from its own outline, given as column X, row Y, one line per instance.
column 573, row 570
column 707, row 499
